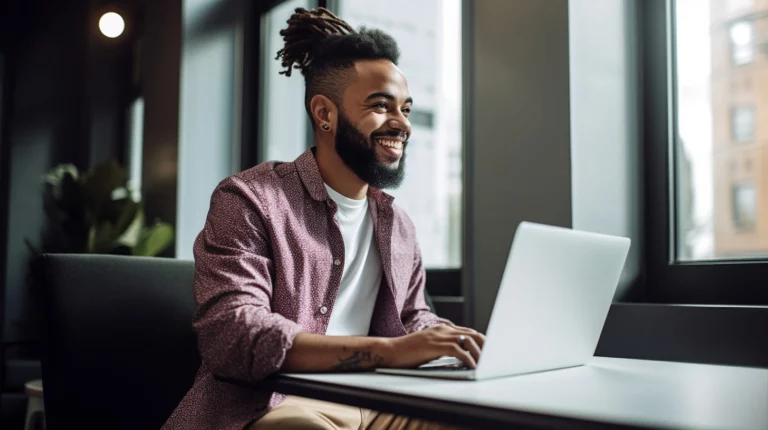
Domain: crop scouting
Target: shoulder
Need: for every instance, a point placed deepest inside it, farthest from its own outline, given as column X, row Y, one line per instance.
column 261, row 181
column 265, row 176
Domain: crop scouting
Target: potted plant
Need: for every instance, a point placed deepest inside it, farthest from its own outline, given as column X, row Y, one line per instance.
column 95, row 212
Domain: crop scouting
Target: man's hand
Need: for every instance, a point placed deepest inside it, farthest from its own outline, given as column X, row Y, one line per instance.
column 426, row 345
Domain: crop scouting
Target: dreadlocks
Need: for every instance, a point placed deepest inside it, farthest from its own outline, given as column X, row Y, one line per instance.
column 324, row 47
column 307, row 28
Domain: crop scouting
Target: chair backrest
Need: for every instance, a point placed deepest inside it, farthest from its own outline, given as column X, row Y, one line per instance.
column 119, row 349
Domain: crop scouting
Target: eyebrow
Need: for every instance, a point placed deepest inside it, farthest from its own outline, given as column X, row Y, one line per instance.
column 386, row 95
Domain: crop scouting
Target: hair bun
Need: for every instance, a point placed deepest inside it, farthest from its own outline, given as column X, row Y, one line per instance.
column 306, row 29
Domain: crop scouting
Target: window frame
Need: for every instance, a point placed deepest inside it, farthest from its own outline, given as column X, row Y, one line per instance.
column 735, row 138
column 715, row 282
column 740, row 223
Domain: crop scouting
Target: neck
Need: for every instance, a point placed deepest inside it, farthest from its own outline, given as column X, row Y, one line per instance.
column 336, row 174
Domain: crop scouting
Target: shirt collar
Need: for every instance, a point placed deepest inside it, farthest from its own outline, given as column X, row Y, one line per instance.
column 309, row 173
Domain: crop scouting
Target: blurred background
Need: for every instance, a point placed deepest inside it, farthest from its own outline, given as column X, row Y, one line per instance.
column 119, row 117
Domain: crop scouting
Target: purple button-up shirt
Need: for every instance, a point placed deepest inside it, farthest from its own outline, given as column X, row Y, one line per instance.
column 269, row 258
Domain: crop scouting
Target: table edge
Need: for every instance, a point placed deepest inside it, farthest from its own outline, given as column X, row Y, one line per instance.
column 440, row 410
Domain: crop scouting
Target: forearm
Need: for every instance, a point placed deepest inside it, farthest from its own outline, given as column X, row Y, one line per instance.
column 317, row 353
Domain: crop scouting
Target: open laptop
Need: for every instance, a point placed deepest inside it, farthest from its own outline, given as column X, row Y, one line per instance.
column 554, row 297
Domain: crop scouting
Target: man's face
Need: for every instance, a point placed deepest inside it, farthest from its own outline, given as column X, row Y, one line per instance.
column 373, row 129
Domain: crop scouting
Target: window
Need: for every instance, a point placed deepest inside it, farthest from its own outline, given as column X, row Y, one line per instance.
column 744, row 206
column 429, row 38
column 285, row 133
column 135, row 147
column 743, row 123
column 739, row 5
column 742, row 48
column 706, row 123
column 706, row 237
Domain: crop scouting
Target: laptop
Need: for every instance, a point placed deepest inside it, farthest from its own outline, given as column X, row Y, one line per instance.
column 554, row 296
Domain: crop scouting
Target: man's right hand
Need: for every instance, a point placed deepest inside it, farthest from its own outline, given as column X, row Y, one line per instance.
column 423, row 346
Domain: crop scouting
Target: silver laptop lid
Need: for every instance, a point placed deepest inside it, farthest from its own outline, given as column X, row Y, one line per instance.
column 555, row 293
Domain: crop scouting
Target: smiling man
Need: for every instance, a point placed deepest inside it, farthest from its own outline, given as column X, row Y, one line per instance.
column 308, row 266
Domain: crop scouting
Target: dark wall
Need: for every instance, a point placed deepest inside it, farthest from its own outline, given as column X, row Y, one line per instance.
column 46, row 45
column 160, row 65
column 518, row 157
column 109, row 84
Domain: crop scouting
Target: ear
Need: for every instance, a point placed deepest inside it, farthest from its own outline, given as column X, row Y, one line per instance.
column 324, row 111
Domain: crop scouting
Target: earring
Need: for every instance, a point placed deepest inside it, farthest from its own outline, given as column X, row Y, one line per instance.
column 325, row 127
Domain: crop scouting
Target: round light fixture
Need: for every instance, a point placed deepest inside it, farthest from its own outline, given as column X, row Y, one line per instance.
column 111, row 25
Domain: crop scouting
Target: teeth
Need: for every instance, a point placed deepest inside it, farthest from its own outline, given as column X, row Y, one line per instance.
column 391, row 143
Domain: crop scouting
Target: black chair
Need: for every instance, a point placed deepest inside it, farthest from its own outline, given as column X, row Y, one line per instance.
column 119, row 347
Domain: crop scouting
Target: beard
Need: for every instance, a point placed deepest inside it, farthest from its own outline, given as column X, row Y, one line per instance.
column 359, row 154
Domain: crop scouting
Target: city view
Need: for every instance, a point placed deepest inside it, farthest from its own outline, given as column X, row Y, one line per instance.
column 722, row 148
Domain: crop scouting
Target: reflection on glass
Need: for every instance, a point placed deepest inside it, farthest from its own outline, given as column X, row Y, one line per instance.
column 429, row 38
column 722, row 141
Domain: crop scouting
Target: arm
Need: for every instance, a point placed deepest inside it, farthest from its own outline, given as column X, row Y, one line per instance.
column 430, row 337
column 239, row 337
column 317, row 353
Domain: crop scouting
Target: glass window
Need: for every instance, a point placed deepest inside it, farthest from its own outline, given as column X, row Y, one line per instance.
column 429, row 37
column 739, row 5
column 744, row 206
column 742, row 48
column 718, row 104
column 285, row 135
column 135, row 146
column 743, row 123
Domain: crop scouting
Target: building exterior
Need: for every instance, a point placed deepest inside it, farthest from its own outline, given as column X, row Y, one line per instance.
column 739, row 94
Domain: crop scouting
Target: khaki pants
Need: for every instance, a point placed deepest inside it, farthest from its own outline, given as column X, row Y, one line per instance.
column 301, row 413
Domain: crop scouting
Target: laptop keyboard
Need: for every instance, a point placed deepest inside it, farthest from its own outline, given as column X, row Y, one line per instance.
column 445, row 363
column 461, row 366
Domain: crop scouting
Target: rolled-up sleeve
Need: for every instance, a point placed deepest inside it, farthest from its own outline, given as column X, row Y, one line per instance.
column 416, row 314
column 239, row 336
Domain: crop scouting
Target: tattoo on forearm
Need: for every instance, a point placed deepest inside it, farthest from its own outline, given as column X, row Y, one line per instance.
column 357, row 360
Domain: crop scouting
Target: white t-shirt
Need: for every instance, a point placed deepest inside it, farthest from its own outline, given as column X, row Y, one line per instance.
column 352, row 311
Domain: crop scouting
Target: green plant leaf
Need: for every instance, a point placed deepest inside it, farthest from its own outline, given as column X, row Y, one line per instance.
column 127, row 216
column 134, row 231
column 98, row 185
column 154, row 240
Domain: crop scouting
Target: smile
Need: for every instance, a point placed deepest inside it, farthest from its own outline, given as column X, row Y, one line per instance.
column 393, row 148
column 395, row 144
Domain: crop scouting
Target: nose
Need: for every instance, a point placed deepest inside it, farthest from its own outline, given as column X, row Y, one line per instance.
column 400, row 122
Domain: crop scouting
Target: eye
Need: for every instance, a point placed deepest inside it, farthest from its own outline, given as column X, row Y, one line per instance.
column 380, row 105
column 406, row 111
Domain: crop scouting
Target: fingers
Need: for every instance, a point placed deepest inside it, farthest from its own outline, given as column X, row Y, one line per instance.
column 471, row 346
column 452, row 349
column 479, row 338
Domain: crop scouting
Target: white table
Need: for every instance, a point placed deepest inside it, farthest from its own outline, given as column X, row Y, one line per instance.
column 609, row 392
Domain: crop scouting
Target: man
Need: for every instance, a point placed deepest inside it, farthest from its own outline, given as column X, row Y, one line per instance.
column 308, row 266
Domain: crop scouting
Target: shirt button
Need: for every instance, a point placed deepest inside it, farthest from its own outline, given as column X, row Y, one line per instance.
column 337, row 262
column 323, row 310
